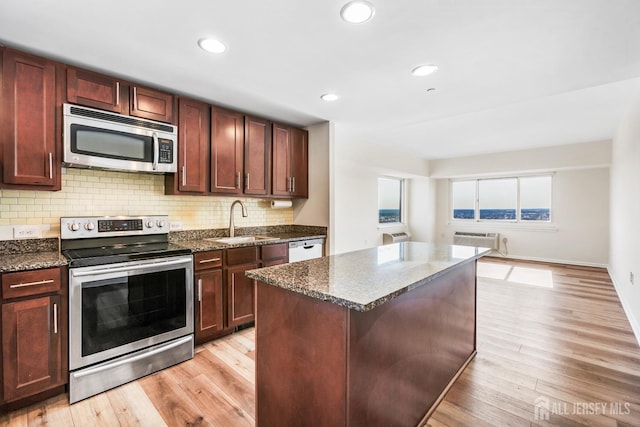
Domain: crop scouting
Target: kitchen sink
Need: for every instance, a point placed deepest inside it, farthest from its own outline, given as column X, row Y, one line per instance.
column 240, row 239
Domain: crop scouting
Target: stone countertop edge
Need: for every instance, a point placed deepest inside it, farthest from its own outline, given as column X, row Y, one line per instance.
column 31, row 261
column 201, row 245
column 275, row 276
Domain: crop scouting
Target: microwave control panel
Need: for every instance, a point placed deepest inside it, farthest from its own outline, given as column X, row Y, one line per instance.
column 165, row 151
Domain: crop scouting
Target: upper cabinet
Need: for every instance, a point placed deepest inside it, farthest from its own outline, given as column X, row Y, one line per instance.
column 227, row 149
column 108, row 93
column 193, row 149
column 257, row 156
column 29, row 138
column 290, row 162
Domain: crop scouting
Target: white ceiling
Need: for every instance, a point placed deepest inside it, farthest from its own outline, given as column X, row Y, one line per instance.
column 513, row 73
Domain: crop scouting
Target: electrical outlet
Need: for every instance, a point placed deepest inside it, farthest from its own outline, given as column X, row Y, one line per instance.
column 6, row 232
column 27, row 232
column 175, row 225
column 280, row 221
column 631, row 278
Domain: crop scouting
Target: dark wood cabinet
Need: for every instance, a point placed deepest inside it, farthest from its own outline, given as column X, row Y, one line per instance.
column 209, row 307
column 111, row 94
column 240, row 289
column 29, row 139
column 275, row 254
column 227, row 146
column 34, row 337
column 257, row 156
column 97, row 91
column 290, row 160
column 193, row 149
column 151, row 104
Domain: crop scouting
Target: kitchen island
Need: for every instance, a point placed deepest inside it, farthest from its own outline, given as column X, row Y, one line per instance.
column 367, row 338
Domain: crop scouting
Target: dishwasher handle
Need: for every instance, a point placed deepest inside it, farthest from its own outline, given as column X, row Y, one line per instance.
column 306, row 244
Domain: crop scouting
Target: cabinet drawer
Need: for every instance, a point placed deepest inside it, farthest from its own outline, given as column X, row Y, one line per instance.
column 209, row 259
column 238, row 256
column 275, row 251
column 27, row 283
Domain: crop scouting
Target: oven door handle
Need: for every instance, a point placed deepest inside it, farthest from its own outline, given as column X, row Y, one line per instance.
column 145, row 354
column 126, row 268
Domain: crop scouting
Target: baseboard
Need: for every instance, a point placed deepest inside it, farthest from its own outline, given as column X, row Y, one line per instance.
column 549, row 260
column 635, row 324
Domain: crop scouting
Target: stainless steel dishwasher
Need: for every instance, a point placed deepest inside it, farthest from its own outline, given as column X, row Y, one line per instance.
column 303, row 250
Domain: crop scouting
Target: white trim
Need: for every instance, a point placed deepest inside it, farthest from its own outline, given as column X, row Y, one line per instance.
column 635, row 324
column 552, row 260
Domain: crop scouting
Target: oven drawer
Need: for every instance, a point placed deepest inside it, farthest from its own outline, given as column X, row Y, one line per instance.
column 29, row 283
column 205, row 260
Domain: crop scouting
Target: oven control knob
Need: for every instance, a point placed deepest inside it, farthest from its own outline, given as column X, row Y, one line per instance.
column 74, row 226
column 149, row 224
column 89, row 226
column 161, row 223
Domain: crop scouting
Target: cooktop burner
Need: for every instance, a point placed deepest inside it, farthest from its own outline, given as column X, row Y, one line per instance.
column 89, row 241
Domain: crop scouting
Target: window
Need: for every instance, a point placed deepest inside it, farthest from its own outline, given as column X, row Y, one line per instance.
column 390, row 199
column 520, row 199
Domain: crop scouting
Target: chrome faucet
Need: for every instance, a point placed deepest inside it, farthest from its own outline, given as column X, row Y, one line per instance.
column 232, row 230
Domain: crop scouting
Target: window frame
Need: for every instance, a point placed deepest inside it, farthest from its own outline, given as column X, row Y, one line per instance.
column 518, row 220
column 403, row 198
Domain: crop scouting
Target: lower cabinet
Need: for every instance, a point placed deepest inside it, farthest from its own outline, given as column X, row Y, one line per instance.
column 34, row 338
column 225, row 297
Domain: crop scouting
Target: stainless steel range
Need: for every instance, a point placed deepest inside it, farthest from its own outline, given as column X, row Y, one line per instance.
column 130, row 300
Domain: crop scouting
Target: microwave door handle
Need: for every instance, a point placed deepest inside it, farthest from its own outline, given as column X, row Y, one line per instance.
column 155, row 151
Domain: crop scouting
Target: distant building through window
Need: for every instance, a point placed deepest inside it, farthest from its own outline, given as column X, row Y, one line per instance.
column 390, row 195
column 520, row 199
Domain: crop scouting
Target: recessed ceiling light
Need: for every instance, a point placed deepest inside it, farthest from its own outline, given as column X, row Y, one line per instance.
column 212, row 45
column 424, row 70
column 357, row 12
column 330, row 97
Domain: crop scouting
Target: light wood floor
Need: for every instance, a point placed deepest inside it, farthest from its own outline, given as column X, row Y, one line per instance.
column 550, row 335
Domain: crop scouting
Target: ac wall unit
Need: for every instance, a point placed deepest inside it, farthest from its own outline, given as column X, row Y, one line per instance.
column 485, row 240
column 388, row 238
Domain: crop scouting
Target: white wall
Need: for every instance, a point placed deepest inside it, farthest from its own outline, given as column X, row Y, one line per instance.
column 579, row 233
column 625, row 213
column 356, row 168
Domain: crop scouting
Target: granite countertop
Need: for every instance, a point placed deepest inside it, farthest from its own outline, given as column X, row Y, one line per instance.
column 206, row 244
column 32, row 254
column 31, row 261
column 364, row 279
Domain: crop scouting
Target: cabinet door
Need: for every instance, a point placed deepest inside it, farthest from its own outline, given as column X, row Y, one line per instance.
column 193, row 149
column 209, row 304
column 31, row 346
column 96, row 90
column 299, row 158
column 227, row 143
column 257, row 156
column 240, row 295
column 151, row 104
column 281, row 177
column 28, row 121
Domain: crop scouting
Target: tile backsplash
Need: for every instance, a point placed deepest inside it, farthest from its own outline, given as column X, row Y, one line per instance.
column 102, row 193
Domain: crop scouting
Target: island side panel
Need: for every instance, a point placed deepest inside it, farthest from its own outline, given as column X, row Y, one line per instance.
column 404, row 353
column 300, row 360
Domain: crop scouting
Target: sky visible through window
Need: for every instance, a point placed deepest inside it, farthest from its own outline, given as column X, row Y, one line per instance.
column 498, row 199
column 389, row 200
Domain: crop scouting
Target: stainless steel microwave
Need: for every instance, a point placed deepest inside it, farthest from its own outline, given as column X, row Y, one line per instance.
column 104, row 140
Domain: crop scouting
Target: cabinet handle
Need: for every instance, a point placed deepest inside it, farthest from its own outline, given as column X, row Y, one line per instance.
column 293, row 184
column 246, row 184
column 23, row 285
column 238, row 180
column 117, row 93
column 205, row 261
column 288, row 184
column 50, row 165
column 135, row 97
column 55, row 318
column 199, row 289
column 184, row 178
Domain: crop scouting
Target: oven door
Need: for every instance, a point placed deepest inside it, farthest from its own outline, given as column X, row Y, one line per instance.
column 116, row 309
